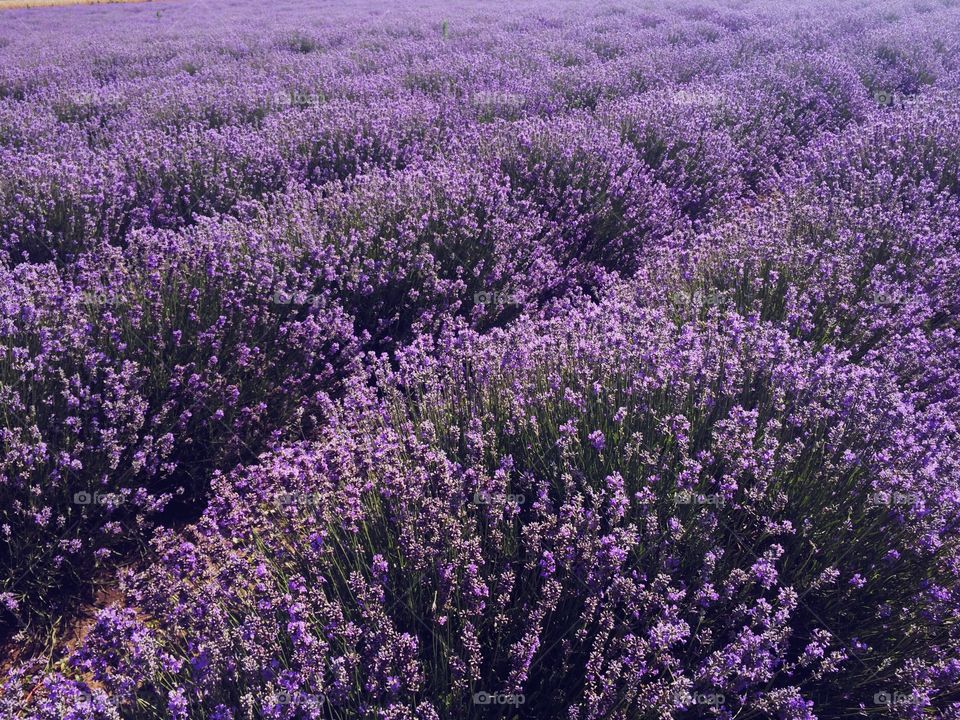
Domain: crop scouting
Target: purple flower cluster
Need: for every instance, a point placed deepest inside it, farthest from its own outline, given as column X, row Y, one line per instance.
column 468, row 360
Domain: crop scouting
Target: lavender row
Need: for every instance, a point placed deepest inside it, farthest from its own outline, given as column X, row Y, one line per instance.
column 182, row 130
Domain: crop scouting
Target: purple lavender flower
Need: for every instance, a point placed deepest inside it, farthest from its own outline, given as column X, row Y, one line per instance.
column 478, row 359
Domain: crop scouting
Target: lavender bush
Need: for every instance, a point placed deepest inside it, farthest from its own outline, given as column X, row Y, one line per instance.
column 480, row 360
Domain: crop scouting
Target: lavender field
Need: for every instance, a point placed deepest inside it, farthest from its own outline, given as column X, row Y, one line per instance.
column 480, row 359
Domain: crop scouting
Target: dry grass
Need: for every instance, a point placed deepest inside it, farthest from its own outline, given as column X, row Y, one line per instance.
column 11, row 4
